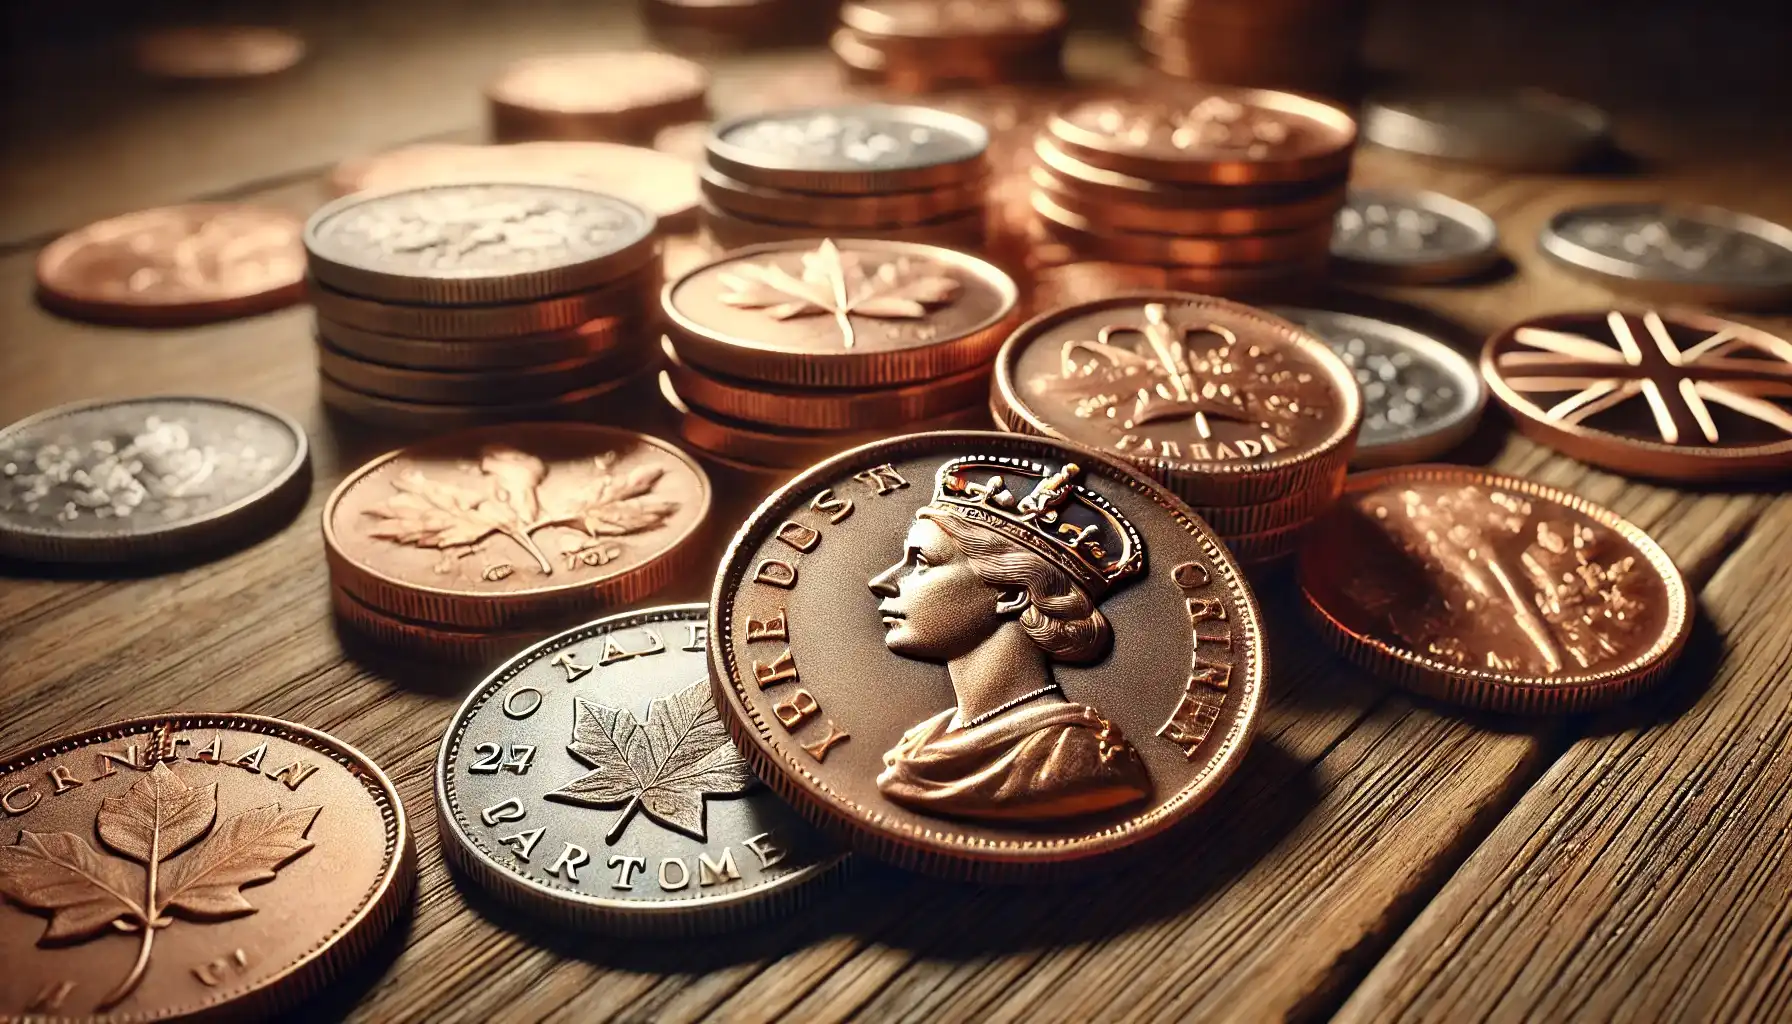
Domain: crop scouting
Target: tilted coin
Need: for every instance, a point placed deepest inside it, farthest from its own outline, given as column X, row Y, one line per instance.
column 855, row 149
column 985, row 656
column 1492, row 591
column 1412, row 237
column 625, row 95
column 145, row 478
column 476, row 243
column 590, row 780
column 1686, row 253
column 1526, row 130
column 217, row 51
column 509, row 524
column 1228, row 404
column 1674, row 397
column 1421, row 397
column 176, row 265
column 840, row 314
column 193, row 865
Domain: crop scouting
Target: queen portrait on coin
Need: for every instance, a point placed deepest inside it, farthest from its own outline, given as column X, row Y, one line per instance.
column 1000, row 577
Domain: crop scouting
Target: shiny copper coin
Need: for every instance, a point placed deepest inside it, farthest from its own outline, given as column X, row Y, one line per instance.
column 919, row 66
column 1303, row 244
column 1210, row 134
column 890, row 209
column 176, row 265
column 955, row 231
column 504, row 525
column 597, row 401
column 1237, row 406
column 852, row 149
column 206, row 52
column 840, row 314
column 1492, row 591
column 934, row 21
column 430, row 642
column 626, row 95
column 512, row 386
column 1148, row 214
column 628, row 297
column 1100, row 186
column 586, row 341
column 1675, row 397
column 985, row 656
column 1234, row 522
column 192, row 865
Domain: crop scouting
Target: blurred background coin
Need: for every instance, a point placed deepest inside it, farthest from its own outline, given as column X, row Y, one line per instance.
column 1527, row 130
column 213, row 52
column 624, row 96
column 1412, row 237
column 1678, row 253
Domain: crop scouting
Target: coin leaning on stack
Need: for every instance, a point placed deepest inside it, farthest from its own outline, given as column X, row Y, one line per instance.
column 902, row 173
column 459, row 304
column 783, row 354
column 1245, row 416
column 926, row 45
column 1311, row 45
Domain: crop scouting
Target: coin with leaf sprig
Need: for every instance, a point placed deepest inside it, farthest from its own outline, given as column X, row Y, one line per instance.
column 591, row 780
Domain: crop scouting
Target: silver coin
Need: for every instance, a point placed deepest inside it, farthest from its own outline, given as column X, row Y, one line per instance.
column 1421, row 397
column 1412, row 237
column 473, row 243
column 591, row 780
column 1686, row 253
column 859, row 148
column 145, row 478
column 1526, row 130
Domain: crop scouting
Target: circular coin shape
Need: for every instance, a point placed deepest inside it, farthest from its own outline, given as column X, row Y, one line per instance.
column 1686, row 253
column 1493, row 592
column 627, row 94
column 147, row 478
column 1232, row 405
column 176, row 265
column 590, row 780
column 193, row 865
column 1412, row 237
column 1675, row 397
column 985, row 656
column 1521, row 131
column 845, row 313
column 856, row 149
column 205, row 52
column 1421, row 397
column 932, row 21
column 472, row 243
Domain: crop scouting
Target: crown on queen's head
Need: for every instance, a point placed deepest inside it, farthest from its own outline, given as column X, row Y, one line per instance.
column 1046, row 511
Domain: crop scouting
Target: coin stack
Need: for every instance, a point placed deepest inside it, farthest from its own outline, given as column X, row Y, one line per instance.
column 1311, row 45
column 624, row 96
column 452, row 305
column 783, row 354
column 927, row 45
column 1221, row 191
column 723, row 26
column 901, row 173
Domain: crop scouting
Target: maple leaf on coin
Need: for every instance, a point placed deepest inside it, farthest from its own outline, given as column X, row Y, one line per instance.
column 665, row 766
column 618, row 504
column 835, row 282
column 84, row 890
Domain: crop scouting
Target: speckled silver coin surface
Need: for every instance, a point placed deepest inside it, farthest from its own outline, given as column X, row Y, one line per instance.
column 1527, row 130
column 859, row 148
column 1684, row 253
column 1412, row 237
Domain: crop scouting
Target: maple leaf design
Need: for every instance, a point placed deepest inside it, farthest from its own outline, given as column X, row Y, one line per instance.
column 87, row 893
column 836, row 282
column 665, row 766
column 431, row 513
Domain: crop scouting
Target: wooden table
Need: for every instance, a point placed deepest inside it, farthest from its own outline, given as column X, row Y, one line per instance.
column 1376, row 858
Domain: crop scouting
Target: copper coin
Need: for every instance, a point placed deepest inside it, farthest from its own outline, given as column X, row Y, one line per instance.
column 218, row 52
column 629, row 296
column 853, row 149
column 512, row 386
column 1147, row 216
column 938, row 20
column 1492, row 591
column 1237, row 406
column 1099, row 185
column 176, row 265
column 1055, row 661
column 1300, row 245
column 147, row 478
column 840, row 314
column 1673, row 397
column 1235, row 522
column 625, row 95
column 890, row 209
column 688, row 141
column 193, row 865
column 430, row 642
column 596, row 401
column 590, row 780
column 929, row 65
column 732, row 231
column 509, row 524
column 1210, row 134
column 589, row 339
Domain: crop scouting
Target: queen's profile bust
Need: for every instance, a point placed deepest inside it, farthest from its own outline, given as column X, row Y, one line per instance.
column 999, row 578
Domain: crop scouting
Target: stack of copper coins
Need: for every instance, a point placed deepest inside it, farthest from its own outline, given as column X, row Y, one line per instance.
column 722, row 26
column 927, row 45
column 1223, row 191
column 624, row 96
column 1247, row 417
column 901, row 173
column 786, row 353
column 451, row 305
column 1311, row 45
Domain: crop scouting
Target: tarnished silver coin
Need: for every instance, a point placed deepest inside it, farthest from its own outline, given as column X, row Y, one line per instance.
column 1412, row 237
column 1528, row 130
column 592, row 781
column 1421, row 397
column 1684, row 253
column 468, row 243
column 146, row 478
column 856, row 149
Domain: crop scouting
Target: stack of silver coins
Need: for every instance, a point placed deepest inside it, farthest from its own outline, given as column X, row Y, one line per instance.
column 462, row 304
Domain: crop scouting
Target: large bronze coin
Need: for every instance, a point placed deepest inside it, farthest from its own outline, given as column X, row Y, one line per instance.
column 1492, row 591
column 590, row 780
column 985, row 656
column 626, row 95
column 192, row 865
